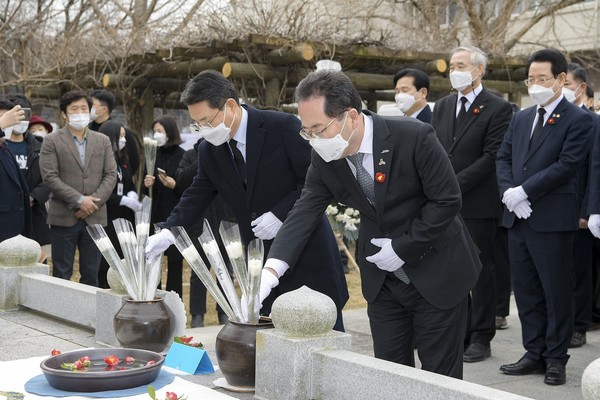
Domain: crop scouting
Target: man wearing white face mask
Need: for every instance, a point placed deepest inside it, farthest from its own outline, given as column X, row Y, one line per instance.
column 417, row 261
column 412, row 86
column 537, row 167
column 256, row 161
column 78, row 166
column 471, row 125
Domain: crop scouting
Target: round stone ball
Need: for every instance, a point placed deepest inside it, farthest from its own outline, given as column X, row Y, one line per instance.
column 304, row 313
column 590, row 381
column 19, row 251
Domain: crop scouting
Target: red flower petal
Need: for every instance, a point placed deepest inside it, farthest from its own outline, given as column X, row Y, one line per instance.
column 111, row 360
column 55, row 352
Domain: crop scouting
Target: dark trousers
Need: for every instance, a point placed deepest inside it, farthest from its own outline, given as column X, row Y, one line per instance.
column 400, row 317
column 65, row 239
column 596, row 280
column 582, row 281
column 174, row 270
column 502, row 270
column 542, row 267
column 481, row 326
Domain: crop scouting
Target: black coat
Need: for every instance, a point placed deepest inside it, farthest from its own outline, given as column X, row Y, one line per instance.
column 15, row 212
column 37, row 190
column 164, row 199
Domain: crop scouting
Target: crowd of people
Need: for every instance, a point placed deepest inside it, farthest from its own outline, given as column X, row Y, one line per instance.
column 459, row 205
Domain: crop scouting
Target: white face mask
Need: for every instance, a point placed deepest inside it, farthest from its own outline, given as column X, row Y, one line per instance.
column 541, row 95
column 93, row 114
column 460, row 80
column 160, row 137
column 217, row 135
column 8, row 131
column 569, row 95
column 122, row 143
column 21, row 127
column 405, row 101
column 332, row 148
column 40, row 133
column 79, row 121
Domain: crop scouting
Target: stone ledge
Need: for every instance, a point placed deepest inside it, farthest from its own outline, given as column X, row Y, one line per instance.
column 9, row 283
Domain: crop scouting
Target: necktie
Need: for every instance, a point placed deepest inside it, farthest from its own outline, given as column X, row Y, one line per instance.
column 462, row 113
column 538, row 127
column 238, row 159
column 362, row 176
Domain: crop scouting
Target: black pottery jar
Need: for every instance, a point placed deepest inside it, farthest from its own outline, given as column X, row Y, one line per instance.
column 143, row 325
column 236, row 351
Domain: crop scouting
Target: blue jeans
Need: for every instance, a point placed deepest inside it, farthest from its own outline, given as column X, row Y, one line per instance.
column 64, row 241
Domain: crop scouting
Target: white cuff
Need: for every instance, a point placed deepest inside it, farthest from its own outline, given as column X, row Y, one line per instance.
column 277, row 265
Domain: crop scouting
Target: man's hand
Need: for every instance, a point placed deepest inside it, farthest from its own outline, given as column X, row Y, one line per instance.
column 167, row 181
column 12, row 117
column 158, row 243
column 131, row 203
column 87, row 207
column 266, row 226
column 594, row 225
column 513, row 196
column 386, row 259
column 522, row 209
column 268, row 281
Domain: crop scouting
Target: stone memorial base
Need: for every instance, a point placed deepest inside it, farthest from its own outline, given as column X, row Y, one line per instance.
column 9, row 283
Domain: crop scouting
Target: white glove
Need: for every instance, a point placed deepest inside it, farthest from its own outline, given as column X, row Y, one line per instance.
column 267, row 282
column 513, row 196
column 133, row 195
column 158, row 243
column 594, row 224
column 130, row 202
column 266, row 226
column 386, row 258
column 522, row 209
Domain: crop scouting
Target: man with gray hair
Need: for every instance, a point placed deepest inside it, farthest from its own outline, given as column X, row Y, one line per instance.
column 471, row 124
column 417, row 261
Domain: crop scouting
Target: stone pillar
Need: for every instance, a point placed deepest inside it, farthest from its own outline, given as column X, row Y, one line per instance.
column 590, row 381
column 17, row 255
column 303, row 320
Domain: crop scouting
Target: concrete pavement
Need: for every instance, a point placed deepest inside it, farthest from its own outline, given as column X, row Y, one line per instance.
column 24, row 334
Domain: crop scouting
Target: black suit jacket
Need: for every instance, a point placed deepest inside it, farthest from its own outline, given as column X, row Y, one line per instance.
column 425, row 115
column 472, row 149
column 15, row 212
column 416, row 205
column 548, row 171
column 276, row 162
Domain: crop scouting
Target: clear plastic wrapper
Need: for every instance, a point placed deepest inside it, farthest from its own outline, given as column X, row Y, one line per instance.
column 211, row 249
column 191, row 255
column 255, row 264
column 129, row 246
column 150, row 146
column 230, row 234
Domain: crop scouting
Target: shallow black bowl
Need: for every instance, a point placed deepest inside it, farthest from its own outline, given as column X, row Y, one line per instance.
column 97, row 379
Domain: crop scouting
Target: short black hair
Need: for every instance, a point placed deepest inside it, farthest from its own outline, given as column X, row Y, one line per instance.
column 20, row 99
column 73, row 96
column 112, row 129
column 211, row 86
column 171, row 129
column 589, row 91
column 557, row 60
column 578, row 72
column 105, row 97
column 6, row 104
column 420, row 78
column 335, row 86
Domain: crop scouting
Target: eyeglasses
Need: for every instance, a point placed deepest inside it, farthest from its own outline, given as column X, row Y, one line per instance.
column 308, row 135
column 198, row 125
column 539, row 81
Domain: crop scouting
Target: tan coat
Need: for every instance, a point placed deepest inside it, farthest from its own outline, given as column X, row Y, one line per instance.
column 68, row 180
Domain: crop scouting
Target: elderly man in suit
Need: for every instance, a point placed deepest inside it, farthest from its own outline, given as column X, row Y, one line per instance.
column 417, row 260
column 470, row 126
column 412, row 87
column 78, row 166
column 537, row 168
column 257, row 162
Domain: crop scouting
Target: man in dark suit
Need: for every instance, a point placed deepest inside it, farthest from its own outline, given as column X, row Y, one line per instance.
column 537, row 167
column 574, row 91
column 15, row 212
column 417, row 261
column 472, row 137
column 412, row 87
column 257, row 162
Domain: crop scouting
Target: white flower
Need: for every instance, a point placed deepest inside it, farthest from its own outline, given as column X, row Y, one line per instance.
column 331, row 210
column 349, row 211
column 356, row 213
column 350, row 226
column 255, row 267
column 210, row 248
column 190, row 254
column 235, row 250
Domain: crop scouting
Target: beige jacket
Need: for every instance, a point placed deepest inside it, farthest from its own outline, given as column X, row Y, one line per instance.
column 68, row 180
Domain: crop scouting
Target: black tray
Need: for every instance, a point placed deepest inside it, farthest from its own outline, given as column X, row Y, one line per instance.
column 95, row 380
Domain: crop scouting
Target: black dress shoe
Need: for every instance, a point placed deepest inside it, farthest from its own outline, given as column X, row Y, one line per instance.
column 197, row 321
column 578, row 339
column 555, row 374
column 477, row 352
column 524, row 366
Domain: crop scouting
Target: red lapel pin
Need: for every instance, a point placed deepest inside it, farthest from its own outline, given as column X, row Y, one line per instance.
column 380, row 177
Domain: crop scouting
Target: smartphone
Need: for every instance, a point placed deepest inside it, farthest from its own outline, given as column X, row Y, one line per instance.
column 161, row 171
column 27, row 114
